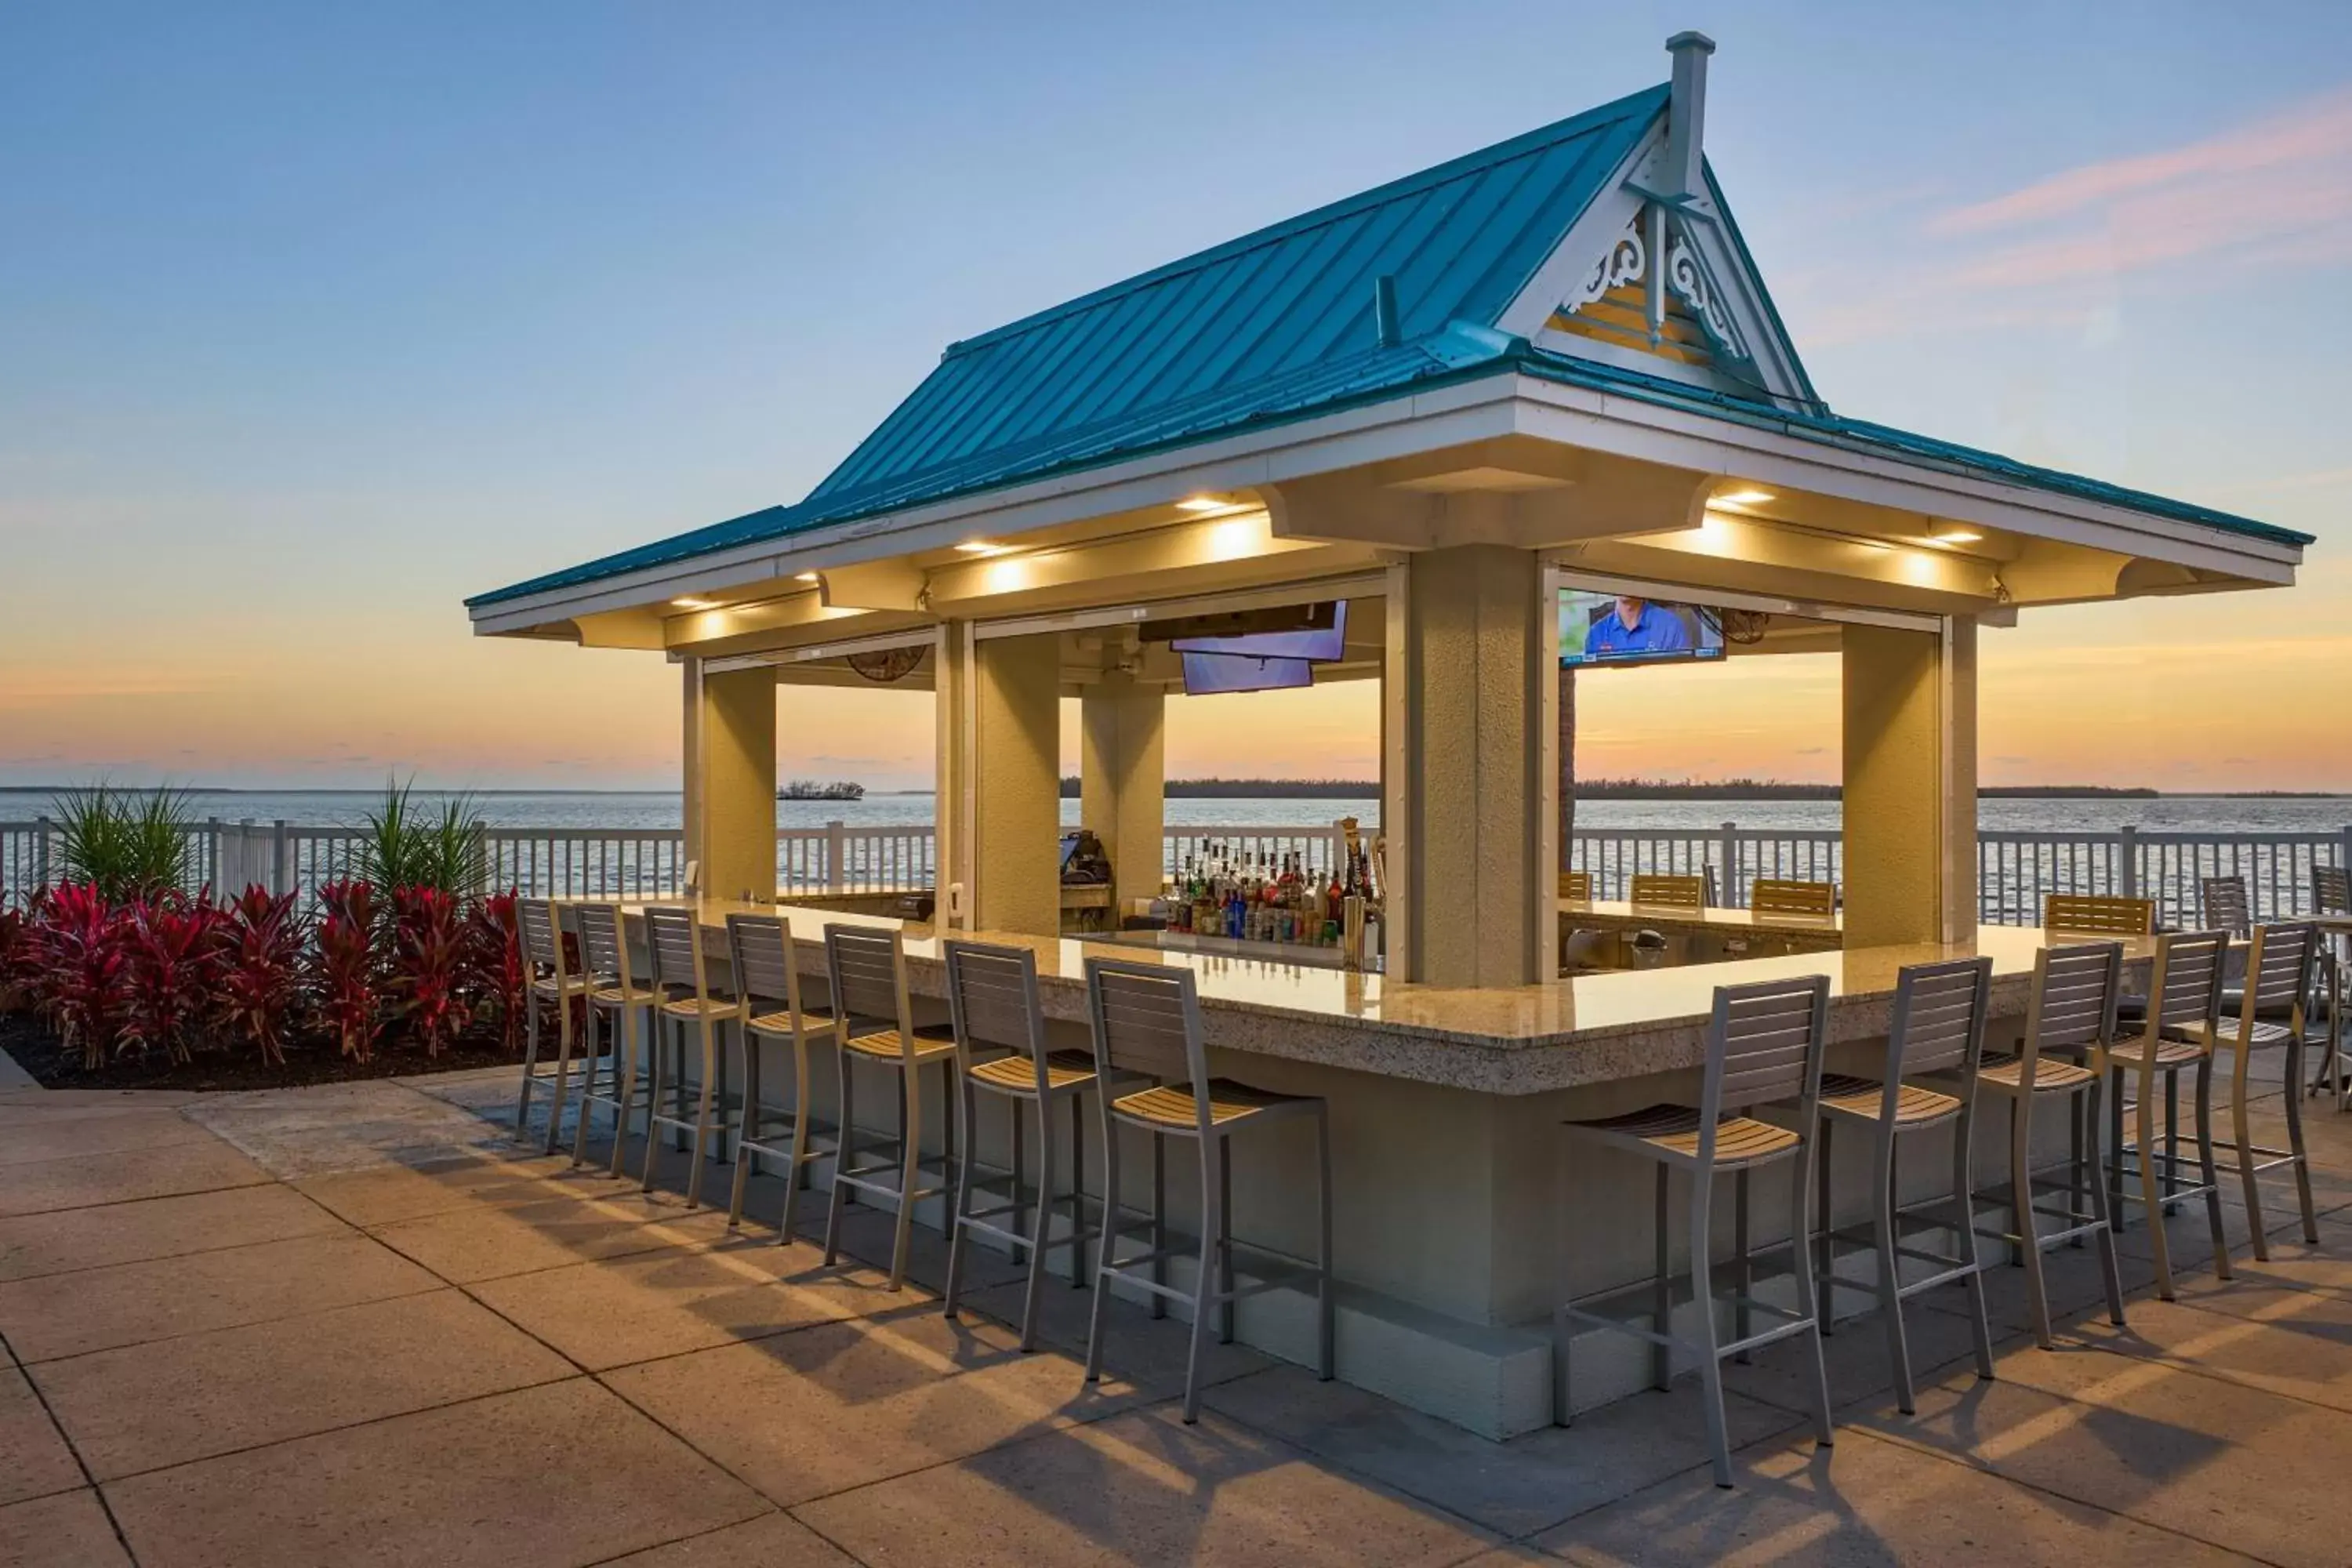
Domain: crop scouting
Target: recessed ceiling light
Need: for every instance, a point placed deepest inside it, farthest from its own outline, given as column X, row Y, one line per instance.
column 1957, row 536
column 692, row 604
column 804, row 577
column 978, row 547
column 1744, row 497
column 1204, row 504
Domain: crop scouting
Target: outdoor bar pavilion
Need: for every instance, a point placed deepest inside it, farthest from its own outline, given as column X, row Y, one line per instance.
column 1550, row 363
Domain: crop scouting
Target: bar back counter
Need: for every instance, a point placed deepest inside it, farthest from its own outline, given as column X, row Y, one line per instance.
column 1462, row 1214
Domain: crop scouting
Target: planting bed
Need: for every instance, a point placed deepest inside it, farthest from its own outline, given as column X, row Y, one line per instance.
column 310, row 1060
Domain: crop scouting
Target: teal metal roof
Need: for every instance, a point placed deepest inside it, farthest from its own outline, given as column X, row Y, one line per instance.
column 1277, row 326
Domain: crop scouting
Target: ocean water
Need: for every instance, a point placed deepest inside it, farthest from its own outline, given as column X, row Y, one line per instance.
column 627, row 809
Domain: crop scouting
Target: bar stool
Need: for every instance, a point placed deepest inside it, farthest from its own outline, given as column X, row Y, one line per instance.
column 1763, row 1048
column 605, row 963
column 1778, row 895
column 2183, row 1017
column 2071, row 1011
column 1938, row 1027
column 1667, row 891
column 674, row 939
column 2223, row 905
column 2331, row 894
column 1576, row 884
column 874, row 1025
column 770, row 1008
column 541, row 939
column 992, row 996
column 2279, row 970
column 1147, row 1021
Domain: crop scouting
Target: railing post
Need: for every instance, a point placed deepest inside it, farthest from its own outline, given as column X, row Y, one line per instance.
column 1728, row 846
column 2127, row 861
column 281, row 859
column 836, row 856
column 2343, row 859
column 41, row 850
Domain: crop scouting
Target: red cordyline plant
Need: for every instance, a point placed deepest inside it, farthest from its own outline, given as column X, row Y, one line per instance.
column 345, row 974
column 494, row 964
column 85, row 960
column 174, row 971
column 261, row 946
column 428, row 965
column 16, row 958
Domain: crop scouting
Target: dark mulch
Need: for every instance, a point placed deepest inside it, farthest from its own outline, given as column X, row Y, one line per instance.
column 308, row 1061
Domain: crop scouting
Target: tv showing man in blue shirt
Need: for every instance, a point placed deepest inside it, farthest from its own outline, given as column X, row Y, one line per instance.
column 1636, row 626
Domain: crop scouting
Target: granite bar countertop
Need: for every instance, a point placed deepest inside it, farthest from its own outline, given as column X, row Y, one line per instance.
column 1578, row 1031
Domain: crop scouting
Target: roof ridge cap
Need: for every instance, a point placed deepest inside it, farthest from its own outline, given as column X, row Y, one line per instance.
column 1328, row 212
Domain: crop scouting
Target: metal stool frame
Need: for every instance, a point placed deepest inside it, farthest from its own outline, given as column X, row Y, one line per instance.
column 538, row 932
column 2280, row 968
column 673, row 939
column 1764, row 1046
column 1937, row 1027
column 760, row 960
column 605, row 963
column 1000, row 1050
column 874, row 1023
column 2184, row 1006
column 1147, row 1022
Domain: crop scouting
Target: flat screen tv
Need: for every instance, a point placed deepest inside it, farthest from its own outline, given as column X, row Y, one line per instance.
column 1612, row 628
column 1210, row 674
column 1320, row 644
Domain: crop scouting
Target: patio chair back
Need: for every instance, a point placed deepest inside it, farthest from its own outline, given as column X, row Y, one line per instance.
column 992, row 1001
column 602, row 955
column 759, row 952
column 1764, row 1046
column 867, row 969
column 2186, row 990
column 1576, row 884
column 674, row 941
column 2279, row 968
column 542, row 947
column 1669, row 892
column 2331, row 889
column 1939, row 1018
column 1147, row 1019
column 2223, row 900
column 2072, row 1008
column 2099, row 912
column 1774, row 896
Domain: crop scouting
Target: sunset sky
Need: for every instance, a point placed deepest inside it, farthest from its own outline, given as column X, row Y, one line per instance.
column 314, row 319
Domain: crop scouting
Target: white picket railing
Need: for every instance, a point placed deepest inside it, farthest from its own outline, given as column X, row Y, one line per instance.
column 2016, row 870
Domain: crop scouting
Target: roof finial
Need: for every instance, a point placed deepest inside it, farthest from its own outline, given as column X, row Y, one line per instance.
column 1687, row 113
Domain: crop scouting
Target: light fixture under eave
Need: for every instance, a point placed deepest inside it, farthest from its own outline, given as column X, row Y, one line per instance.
column 1204, row 503
column 693, row 603
column 1956, row 536
column 804, row 577
column 981, row 547
column 1750, row 496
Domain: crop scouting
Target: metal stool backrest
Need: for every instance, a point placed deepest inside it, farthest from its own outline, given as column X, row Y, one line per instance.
column 2223, row 900
column 603, row 955
column 1772, row 896
column 2185, row 992
column 543, row 946
column 1763, row 1048
column 2072, row 1008
column 992, row 1001
column 867, row 969
column 1147, row 1019
column 1671, row 891
column 674, row 942
column 1576, row 884
column 759, row 956
column 2099, row 912
column 2279, row 972
column 2331, row 889
column 1939, row 1021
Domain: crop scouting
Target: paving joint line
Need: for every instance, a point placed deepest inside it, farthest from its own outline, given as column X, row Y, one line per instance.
column 89, row 1479
column 293, row 1317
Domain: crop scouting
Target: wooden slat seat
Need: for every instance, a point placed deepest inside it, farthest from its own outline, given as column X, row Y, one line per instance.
column 559, row 984
column 2174, row 1047
column 779, row 1025
column 1172, row 1105
column 1016, row 1075
column 626, row 996
column 1673, row 1130
column 2050, row 1076
column 1847, row 1095
column 931, row 1042
column 695, row 1007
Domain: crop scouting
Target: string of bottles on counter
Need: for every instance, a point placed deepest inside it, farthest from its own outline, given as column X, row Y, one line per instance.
column 1218, row 892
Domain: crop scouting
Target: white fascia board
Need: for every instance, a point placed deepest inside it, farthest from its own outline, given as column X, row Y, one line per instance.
column 1633, row 427
column 1454, row 414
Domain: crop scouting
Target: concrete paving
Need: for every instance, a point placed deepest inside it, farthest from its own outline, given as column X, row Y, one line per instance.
column 361, row 1325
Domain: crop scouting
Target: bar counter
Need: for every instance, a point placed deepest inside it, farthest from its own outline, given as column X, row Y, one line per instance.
column 1570, row 1033
column 1461, row 1214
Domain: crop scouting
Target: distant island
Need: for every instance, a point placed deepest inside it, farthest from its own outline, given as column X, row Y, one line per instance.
column 1615, row 789
column 810, row 789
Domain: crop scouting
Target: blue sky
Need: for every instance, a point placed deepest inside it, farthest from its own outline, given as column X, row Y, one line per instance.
column 315, row 319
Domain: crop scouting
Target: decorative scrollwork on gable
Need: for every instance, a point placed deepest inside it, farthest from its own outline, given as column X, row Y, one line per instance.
column 1688, row 279
column 1624, row 263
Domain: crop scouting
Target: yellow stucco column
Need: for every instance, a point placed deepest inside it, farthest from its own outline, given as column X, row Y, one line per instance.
column 1476, row 643
column 1122, row 769
column 1910, row 784
column 735, row 772
column 1016, row 784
